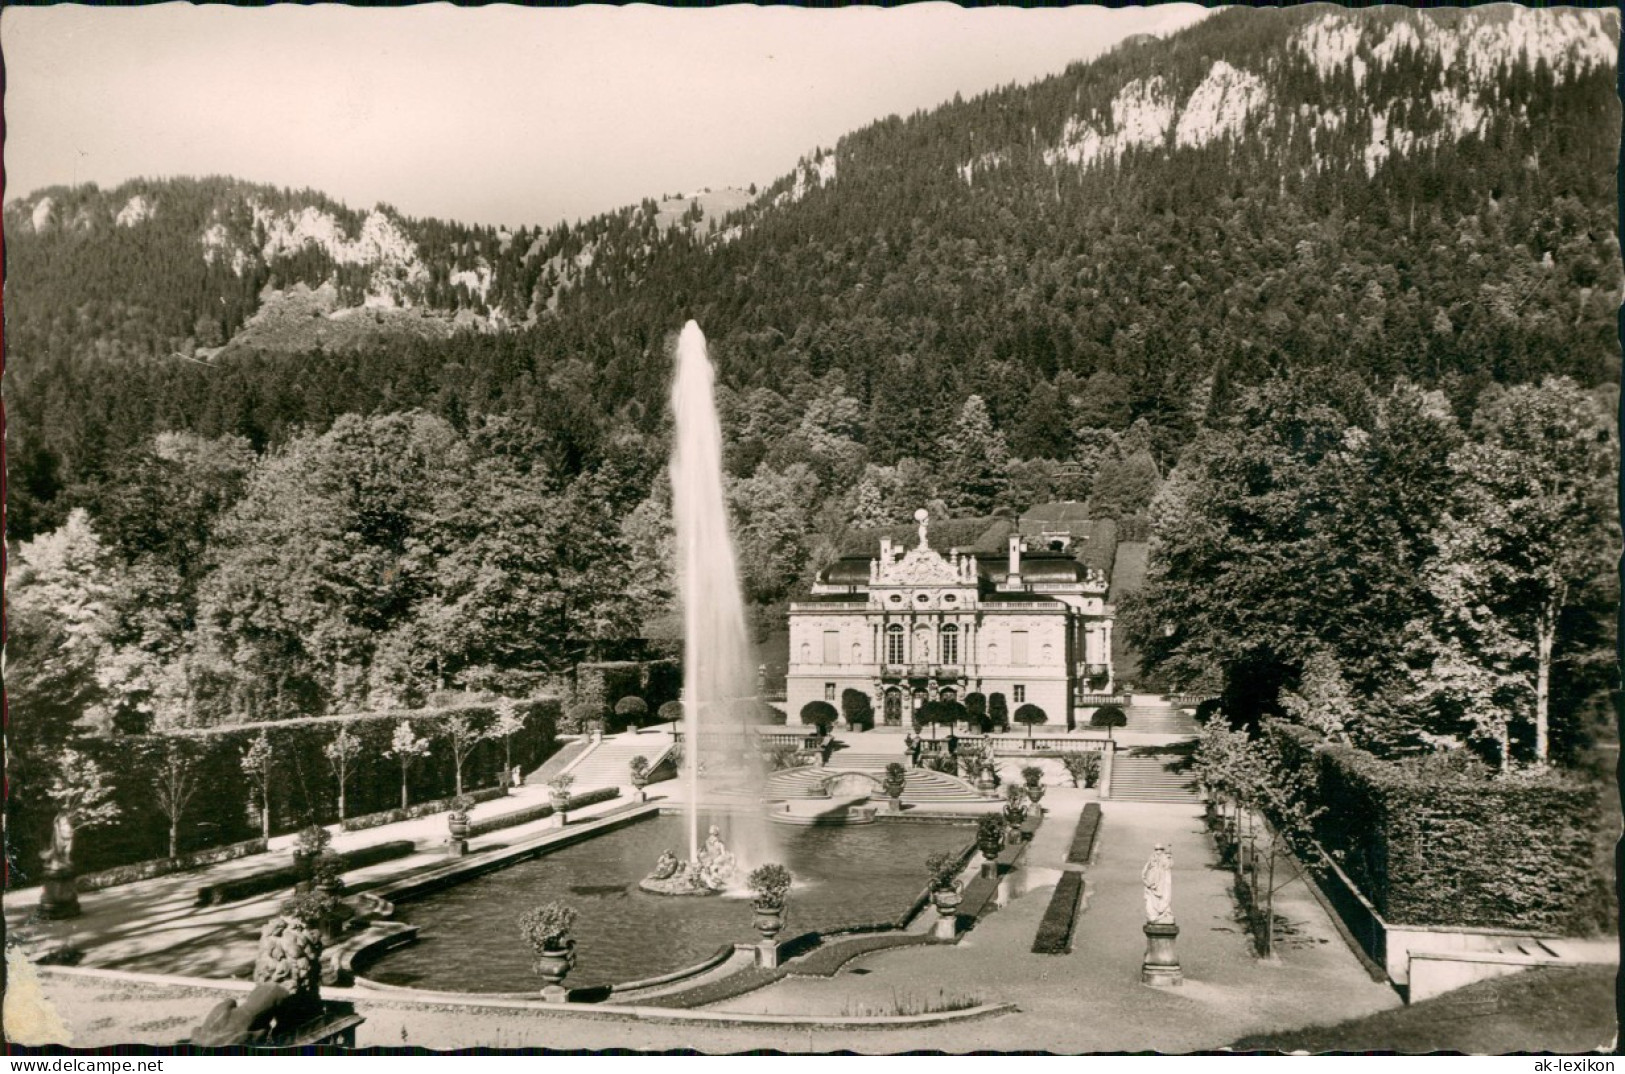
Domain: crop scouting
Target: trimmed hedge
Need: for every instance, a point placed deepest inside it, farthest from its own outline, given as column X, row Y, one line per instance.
column 1432, row 842
column 1055, row 929
column 422, row 809
column 1083, row 838
column 146, row 870
column 286, row 876
column 603, row 794
column 303, row 789
column 540, row 812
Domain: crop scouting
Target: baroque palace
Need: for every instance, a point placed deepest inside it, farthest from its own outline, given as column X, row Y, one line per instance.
column 910, row 624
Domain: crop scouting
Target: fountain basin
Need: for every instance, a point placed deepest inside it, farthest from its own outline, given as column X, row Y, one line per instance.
column 467, row 931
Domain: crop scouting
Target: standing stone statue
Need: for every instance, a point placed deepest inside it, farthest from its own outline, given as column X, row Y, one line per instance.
column 1161, row 965
column 1158, row 878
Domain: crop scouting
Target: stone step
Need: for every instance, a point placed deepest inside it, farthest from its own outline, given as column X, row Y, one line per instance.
column 919, row 786
column 1150, row 779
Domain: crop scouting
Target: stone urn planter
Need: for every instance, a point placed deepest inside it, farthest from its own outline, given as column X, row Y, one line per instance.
column 769, row 919
column 457, row 824
column 546, row 929
column 554, row 964
column 770, row 890
column 1035, row 794
column 947, row 900
column 985, row 783
column 895, row 783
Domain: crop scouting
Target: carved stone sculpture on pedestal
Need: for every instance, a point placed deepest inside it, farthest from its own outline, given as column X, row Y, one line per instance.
column 1161, row 965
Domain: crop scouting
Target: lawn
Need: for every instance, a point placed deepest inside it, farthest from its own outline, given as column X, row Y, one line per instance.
column 1542, row 1010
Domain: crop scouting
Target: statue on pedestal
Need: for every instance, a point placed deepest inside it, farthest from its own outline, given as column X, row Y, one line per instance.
column 1161, row 964
column 1158, row 878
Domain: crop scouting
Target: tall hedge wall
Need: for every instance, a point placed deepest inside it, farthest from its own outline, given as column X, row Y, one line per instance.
column 606, row 683
column 303, row 788
column 1433, row 843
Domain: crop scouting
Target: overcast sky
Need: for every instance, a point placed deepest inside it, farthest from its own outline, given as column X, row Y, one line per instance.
column 498, row 115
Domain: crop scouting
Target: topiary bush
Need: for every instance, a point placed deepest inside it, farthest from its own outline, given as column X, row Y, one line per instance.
column 998, row 711
column 819, row 714
column 1030, row 715
column 857, row 709
column 631, row 711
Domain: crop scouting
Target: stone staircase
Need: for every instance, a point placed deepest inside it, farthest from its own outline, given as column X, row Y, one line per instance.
column 563, row 759
column 609, row 762
column 1161, row 719
column 921, row 786
column 1151, row 778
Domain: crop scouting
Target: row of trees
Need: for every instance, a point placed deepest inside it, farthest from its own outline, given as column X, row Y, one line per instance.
column 1361, row 562
column 170, row 772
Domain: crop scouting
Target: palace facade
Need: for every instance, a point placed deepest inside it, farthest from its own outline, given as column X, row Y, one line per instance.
column 908, row 625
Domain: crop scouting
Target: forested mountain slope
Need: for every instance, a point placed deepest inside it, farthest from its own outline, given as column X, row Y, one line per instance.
column 1428, row 193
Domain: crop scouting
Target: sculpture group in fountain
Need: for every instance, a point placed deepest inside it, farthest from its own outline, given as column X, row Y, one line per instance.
column 708, row 874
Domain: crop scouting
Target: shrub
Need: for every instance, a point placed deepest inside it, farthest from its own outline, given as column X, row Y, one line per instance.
column 639, row 768
column 1032, row 775
column 671, row 712
column 769, row 884
column 781, row 757
column 561, row 783
column 1083, row 837
column 944, row 870
column 1015, row 804
column 632, row 711
column 547, row 927
column 976, row 707
column 286, row 876
column 1055, row 929
column 1084, row 768
column 857, row 709
column 1031, row 715
column 1434, row 843
column 1109, row 716
column 998, row 710
column 580, row 717
column 990, row 836
column 312, row 840
column 314, row 908
column 819, row 714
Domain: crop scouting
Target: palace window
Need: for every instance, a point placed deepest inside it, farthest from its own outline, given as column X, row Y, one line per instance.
column 832, row 647
column 950, row 644
column 829, row 691
column 1020, row 693
column 1018, row 648
column 894, row 644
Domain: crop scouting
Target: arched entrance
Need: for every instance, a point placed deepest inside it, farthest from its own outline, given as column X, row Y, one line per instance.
column 894, row 706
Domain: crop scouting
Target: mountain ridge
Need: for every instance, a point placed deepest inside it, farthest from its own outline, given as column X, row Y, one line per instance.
column 1427, row 194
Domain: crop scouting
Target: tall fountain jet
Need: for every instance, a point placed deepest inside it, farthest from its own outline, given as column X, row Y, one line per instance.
column 716, row 657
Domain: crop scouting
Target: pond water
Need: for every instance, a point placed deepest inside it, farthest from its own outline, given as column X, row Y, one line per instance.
column 468, row 939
